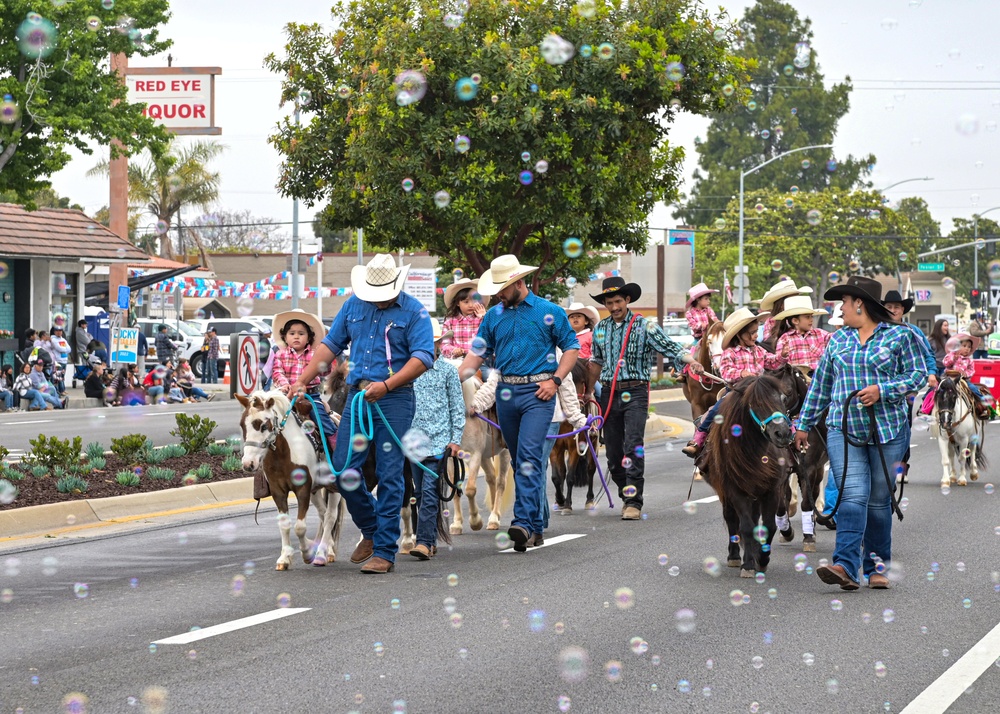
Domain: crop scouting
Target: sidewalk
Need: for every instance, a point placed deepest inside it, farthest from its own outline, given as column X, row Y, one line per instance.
column 78, row 400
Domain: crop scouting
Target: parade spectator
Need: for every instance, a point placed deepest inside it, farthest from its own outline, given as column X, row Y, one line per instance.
column 267, row 369
column 93, row 385
column 154, row 384
column 624, row 346
column 803, row 345
column 699, row 309
column 885, row 362
column 34, row 351
column 940, row 334
column 97, row 349
column 981, row 327
column 7, row 380
column 440, row 417
column 463, row 316
column 836, row 320
column 26, row 390
column 298, row 332
column 583, row 319
column 741, row 357
column 41, row 384
column 210, row 367
column 184, row 379
column 522, row 333
column 164, row 345
column 391, row 343
column 82, row 338
column 60, row 350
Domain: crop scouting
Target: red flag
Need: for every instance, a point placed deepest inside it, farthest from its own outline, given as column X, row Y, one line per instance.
column 729, row 290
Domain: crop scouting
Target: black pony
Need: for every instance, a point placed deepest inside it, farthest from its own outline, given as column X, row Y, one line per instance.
column 745, row 462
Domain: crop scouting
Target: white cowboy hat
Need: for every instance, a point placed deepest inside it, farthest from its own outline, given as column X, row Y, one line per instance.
column 698, row 291
column 283, row 318
column 737, row 321
column 504, row 270
column 798, row 305
column 438, row 330
column 456, row 287
column 380, row 280
column 588, row 310
column 780, row 290
column 837, row 318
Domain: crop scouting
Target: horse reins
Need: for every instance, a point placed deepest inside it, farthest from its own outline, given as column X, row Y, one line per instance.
column 458, row 467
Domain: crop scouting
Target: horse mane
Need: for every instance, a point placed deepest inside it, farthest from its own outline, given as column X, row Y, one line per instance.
column 737, row 459
column 705, row 347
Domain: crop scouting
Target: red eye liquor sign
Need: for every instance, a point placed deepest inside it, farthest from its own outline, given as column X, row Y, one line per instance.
column 181, row 99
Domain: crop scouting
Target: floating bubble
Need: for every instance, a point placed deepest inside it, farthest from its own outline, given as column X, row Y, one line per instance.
column 988, row 488
column 673, row 571
column 788, row 70
column 36, row 37
column 442, row 198
column 831, row 165
column 836, row 605
column 638, row 645
column 720, row 223
column 711, row 566
column 626, row 463
column 613, row 670
column 765, row 134
column 772, row 593
column 350, row 480
column 888, row 615
column 407, row 184
column 736, row 597
column 526, row 178
column 536, row 621
column 453, row 20
column 675, row 71
column 555, row 50
column 728, row 90
column 737, row 430
column 663, row 559
column 759, row 208
column 967, row 124
column 789, row 203
column 751, row 106
column 9, row 110
column 757, row 662
column 81, row 590
column 629, row 491
column 410, row 87
column 813, row 217
column 947, row 283
column 466, row 89
column 462, row 144
column 626, row 397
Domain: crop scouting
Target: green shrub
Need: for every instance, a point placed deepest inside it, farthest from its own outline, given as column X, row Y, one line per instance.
column 235, row 443
column 214, row 449
column 130, row 448
column 204, row 472
column 173, row 450
column 98, row 463
column 159, row 473
column 232, row 463
column 11, row 474
column 4, row 453
column 8, row 491
column 58, row 471
column 95, row 450
column 39, row 471
column 155, row 456
column 194, row 431
column 82, row 470
column 71, row 484
column 53, row 451
column 127, row 478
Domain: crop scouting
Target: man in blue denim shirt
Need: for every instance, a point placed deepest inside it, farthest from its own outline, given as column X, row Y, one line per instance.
column 523, row 333
column 392, row 343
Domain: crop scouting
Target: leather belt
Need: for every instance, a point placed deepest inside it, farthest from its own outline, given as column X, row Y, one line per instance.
column 365, row 383
column 526, row 379
column 628, row 383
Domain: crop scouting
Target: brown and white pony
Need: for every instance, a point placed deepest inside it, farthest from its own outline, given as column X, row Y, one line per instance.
column 702, row 392
column 291, row 465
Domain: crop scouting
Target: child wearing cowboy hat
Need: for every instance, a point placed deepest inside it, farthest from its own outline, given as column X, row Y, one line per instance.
column 741, row 357
column 960, row 360
column 297, row 332
column 774, row 302
column 463, row 315
column 583, row 319
column 699, row 309
column 803, row 344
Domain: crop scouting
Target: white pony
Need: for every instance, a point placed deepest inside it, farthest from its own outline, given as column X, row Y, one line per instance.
column 960, row 434
column 290, row 465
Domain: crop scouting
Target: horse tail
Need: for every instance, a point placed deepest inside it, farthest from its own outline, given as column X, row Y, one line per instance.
column 579, row 474
column 255, row 509
column 981, row 460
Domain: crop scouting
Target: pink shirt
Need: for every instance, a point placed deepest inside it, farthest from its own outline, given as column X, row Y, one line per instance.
column 806, row 347
column 955, row 361
column 699, row 318
column 736, row 360
column 464, row 329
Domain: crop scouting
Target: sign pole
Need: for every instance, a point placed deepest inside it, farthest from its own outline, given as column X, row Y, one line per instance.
column 118, row 198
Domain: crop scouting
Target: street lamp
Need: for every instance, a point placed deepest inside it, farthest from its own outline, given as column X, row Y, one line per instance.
column 742, row 267
column 893, row 185
column 975, row 239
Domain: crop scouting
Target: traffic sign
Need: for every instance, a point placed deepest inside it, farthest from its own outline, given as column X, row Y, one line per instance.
column 930, row 267
column 124, row 295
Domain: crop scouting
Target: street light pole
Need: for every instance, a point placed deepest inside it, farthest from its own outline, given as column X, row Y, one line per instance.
column 742, row 268
column 975, row 248
column 294, row 282
column 893, row 185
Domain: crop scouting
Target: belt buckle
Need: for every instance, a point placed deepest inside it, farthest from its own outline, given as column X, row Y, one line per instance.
column 364, row 384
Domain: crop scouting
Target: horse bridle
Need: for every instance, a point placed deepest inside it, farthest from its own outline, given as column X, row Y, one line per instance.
column 270, row 439
column 763, row 423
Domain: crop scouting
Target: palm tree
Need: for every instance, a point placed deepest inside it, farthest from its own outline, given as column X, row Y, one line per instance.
column 161, row 185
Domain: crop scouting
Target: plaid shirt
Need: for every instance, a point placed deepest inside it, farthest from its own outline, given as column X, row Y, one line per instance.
column 805, row 347
column 770, row 325
column 955, row 361
column 289, row 365
column 737, row 359
column 700, row 318
column 892, row 359
column 645, row 339
column 213, row 347
column 464, row 329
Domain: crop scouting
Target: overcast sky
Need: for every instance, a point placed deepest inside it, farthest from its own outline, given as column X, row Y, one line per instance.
column 926, row 97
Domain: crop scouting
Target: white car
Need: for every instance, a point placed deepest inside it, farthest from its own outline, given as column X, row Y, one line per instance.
column 224, row 327
column 679, row 331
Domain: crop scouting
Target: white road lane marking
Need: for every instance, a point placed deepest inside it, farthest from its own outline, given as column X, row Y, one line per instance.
column 36, row 421
column 707, row 499
column 960, row 676
column 231, row 626
column 555, row 540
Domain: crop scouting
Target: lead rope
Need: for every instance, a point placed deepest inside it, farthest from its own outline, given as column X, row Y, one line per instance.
column 618, row 365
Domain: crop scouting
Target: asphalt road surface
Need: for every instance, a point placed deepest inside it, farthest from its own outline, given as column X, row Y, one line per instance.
column 615, row 616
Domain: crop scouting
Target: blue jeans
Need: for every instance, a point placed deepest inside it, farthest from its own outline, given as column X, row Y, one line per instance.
column 425, row 488
column 37, row 402
column 378, row 520
column 709, row 419
column 546, row 450
column 326, row 421
column 210, row 371
column 8, row 399
column 864, row 518
column 51, row 399
column 155, row 393
column 524, row 421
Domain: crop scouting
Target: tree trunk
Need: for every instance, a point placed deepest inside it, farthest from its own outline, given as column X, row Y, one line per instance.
column 206, row 262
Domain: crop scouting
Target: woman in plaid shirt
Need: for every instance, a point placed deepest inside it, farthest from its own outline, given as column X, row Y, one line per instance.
column 803, row 344
column 463, row 315
column 883, row 360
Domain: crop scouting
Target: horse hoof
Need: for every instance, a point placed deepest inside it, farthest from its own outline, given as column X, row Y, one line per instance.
column 455, row 529
column 734, row 563
column 491, row 526
column 319, row 561
column 744, row 573
column 476, row 523
column 591, row 505
column 281, row 566
column 963, row 482
column 808, row 544
column 975, row 476
column 788, row 536
column 566, row 511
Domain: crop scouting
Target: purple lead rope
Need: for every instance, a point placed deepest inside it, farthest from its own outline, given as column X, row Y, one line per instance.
column 592, row 419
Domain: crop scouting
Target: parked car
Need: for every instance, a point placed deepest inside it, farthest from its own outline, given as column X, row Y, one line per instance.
column 679, row 331
column 224, row 327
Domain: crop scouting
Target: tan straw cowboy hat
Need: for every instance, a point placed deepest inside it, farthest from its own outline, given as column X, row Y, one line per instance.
column 589, row 311
column 737, row 321
column 780, row 290
column 504, row 270
column 283, row 318
column 798, row 305
column 455, row 288
column 380, row 280
column 698, row 291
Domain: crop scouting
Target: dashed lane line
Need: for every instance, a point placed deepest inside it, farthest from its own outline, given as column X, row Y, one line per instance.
column 555, row 540
column 231, row 626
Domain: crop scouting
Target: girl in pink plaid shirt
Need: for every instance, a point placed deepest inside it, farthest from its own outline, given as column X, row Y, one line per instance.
column 802, row 345
column 960, row 360
column 463, row 315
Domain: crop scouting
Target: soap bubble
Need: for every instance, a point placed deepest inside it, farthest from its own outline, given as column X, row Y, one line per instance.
column 466, row 89
column 720, row 223
column 605, row 50
column 624, row 598
column 712, row 567
column 526, row 178
column 573, row 247
column 728, row 90
column 410, row 87
column 36, row 37
column 613, row 670
column 9, row 110
column 556, row 50
column 814, row 217
column 407, row 184
column 350, row 480
column 442, row 198
column 586, row 8
column 453, row 20
column 675, row 71
column 462, row 144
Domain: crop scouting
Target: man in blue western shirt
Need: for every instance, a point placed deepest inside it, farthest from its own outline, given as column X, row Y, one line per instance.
column 392, row 343
column 523, row 333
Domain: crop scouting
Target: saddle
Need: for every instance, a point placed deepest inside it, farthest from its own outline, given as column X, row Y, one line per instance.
column 981, row 410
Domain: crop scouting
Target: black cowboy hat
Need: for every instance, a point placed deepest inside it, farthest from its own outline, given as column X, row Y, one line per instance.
column 617, row 286
column 868, row 290
column 894, row 296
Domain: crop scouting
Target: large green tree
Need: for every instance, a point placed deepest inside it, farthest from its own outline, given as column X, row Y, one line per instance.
column 57, row 90
column 42, row 198
column 483, row 106
column 960, row 262
column 788, row 107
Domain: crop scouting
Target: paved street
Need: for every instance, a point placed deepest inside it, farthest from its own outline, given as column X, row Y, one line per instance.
column 600, row 619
